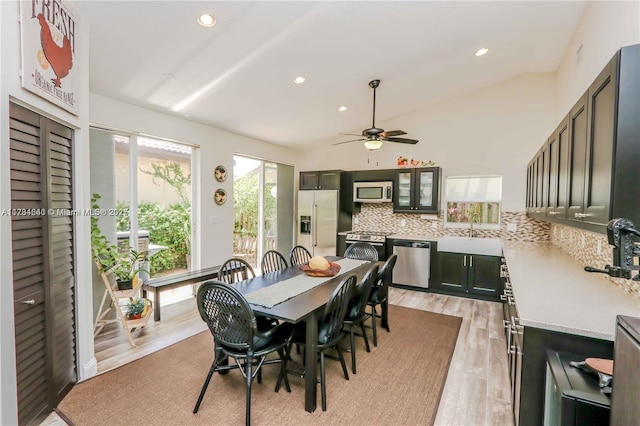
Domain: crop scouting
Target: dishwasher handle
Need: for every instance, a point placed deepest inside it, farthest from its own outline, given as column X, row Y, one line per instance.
column 412, row 244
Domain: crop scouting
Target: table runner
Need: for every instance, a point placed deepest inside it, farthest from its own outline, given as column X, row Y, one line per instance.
column 285, row 290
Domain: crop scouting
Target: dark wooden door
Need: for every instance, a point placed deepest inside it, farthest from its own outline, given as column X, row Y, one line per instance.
column 43, row 278
column 308, row 180
column 453, row 271
column 329, row 179
column 562, row 170
column 600, row 141
column 577, row 158
column 484, row 275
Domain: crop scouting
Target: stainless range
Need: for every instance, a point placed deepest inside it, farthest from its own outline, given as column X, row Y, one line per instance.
column 376, row 239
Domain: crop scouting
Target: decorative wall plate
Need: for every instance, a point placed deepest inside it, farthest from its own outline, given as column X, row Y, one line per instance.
column 220, row 196
column 220, row 173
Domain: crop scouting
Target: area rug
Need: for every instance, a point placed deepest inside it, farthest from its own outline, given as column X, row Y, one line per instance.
column 398, row 383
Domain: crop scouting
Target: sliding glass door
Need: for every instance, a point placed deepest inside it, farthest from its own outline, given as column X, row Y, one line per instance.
column 263, row 208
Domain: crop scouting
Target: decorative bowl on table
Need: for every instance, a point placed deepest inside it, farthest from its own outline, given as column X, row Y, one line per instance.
column 332, row 271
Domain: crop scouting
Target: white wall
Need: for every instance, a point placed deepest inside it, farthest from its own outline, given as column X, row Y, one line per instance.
column 10, row 89
column 216, row 147
column 494, row 130
column 605, row 27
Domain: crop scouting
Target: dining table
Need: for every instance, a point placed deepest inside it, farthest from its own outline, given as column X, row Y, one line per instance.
column 305, row 307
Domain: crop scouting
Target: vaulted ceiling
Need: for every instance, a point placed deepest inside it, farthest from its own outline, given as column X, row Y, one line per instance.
column 238, row 75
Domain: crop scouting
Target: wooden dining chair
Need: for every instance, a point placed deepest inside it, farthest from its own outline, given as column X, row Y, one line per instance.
column 380, row 295
column 234, row 270
column 273, row 261
column 362, row 251
column 357, row 311
column 235, row 333
column 299, row 255
column 329, row 331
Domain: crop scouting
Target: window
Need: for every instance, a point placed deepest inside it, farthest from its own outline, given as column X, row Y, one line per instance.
column 473, row 197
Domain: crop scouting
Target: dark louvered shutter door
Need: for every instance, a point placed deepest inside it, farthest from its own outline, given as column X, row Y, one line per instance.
column 42, row 263
column 61, row 254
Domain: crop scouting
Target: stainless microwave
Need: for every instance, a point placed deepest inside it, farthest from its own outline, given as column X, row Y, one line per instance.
column 372, row 192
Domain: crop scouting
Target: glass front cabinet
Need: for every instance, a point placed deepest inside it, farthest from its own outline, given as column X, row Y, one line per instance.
column 417, row 190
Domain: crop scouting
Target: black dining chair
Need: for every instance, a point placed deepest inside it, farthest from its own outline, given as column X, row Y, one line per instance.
column 357, row 311
column 299, row 255
column 273, row 261
column 380, row 295
column 361, row 251
column 234, row 270
column 329, row 331
column 235, row 334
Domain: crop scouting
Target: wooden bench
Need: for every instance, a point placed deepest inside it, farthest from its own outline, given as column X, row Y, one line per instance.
column 158, row 285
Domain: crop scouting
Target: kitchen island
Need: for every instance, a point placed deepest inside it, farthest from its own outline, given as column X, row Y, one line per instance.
column 552, row 303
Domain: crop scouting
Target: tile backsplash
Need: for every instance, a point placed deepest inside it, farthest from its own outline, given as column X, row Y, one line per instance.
column 377, row 217
column 589, row 248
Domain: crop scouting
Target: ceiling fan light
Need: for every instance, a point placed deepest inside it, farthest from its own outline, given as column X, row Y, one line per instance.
column 373, row 144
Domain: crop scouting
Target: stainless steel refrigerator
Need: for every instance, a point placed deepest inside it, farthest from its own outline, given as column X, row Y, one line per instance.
column 318, row 215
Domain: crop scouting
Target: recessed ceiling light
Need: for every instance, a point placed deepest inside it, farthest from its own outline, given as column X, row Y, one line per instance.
column 206, row 20
column 482, row 51
column 300, row 79
column 342, row 108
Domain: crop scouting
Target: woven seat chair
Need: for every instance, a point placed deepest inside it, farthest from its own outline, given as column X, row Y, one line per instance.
column 380, row 294
column 299, row 255
column 273, row 261
column 357, row 311
column 235, row 334
column 362, row 251
column 329, row 331
column 234, row 270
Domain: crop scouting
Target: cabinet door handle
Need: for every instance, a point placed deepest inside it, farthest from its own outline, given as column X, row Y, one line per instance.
column 553, row 213
column 581, row 215
column 464, row 261
column 29, row 302
column 508, row 327
column 471, row 261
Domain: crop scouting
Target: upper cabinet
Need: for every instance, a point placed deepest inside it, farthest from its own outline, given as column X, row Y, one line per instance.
column 417, row 190
column 326, row 179
column 586, row 173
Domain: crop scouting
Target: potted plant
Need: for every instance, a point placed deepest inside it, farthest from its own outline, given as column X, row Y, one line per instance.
column 137, row 307
column 124, row 266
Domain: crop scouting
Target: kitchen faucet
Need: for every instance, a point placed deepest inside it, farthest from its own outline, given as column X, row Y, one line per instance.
column 475, row 216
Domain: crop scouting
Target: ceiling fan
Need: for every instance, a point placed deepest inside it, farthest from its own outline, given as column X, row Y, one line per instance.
column 373, row 137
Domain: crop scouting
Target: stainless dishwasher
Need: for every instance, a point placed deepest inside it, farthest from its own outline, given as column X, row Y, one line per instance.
column 412, row 265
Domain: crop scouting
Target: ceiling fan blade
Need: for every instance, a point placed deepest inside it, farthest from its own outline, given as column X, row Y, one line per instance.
column 352, row 140
column 392, row 133
column 350, row 134
column 401, row 140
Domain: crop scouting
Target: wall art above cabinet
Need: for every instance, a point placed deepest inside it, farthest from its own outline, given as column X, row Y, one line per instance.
column 587, row 172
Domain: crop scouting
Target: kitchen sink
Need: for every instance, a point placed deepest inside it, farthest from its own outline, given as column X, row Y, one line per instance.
column 468, row 245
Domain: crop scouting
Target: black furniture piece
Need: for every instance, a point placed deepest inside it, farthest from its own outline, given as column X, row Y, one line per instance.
column 379, row 296
column 158, row 285
column 572, row 396
column 273, row 261
column 329, row 332
column 304, row 308
column 626, row 371
column 235, row 333
column 234, row 270
column 357, row 311
column 361, row 251
column 299, row 255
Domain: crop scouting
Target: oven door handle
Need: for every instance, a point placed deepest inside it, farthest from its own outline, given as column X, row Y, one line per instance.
column 368, row 242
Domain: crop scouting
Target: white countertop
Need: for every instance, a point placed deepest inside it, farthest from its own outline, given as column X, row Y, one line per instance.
column 553, row 292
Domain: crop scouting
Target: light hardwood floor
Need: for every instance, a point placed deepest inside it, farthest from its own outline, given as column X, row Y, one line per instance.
column 477, row 390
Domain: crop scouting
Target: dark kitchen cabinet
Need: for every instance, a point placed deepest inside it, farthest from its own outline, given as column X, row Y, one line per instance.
column 469, row 275
column 558, row 170
column 417, row 190
column 625, row 409
column 326, row 179
column 596, row 178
